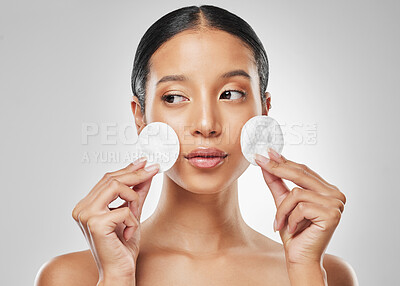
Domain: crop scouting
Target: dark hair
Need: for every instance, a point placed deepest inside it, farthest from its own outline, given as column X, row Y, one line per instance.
column 195, row 18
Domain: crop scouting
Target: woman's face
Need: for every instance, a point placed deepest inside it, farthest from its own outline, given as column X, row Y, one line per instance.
column 201, row 104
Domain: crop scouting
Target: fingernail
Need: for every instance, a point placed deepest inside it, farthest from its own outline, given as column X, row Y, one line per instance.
column 261, row 158
column 273, row 153
column 275, row 225
column 139, row 160
column 152, row 167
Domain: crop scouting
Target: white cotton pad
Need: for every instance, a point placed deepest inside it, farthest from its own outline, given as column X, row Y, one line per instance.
column 159, row 143
column 259, row 133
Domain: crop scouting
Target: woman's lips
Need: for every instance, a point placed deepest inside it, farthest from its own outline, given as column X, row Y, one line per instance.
column 206, row 162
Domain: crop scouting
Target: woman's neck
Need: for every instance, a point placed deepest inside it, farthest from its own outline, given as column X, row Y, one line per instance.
column 198, row 223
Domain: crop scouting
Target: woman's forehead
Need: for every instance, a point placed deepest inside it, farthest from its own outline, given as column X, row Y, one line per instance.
column 210, row 52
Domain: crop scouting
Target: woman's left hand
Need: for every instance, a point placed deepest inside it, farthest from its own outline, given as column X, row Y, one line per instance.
column 311, row 212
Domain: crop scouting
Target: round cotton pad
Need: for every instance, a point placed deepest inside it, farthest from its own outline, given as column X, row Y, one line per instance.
column 159, row 143
column 259, row 133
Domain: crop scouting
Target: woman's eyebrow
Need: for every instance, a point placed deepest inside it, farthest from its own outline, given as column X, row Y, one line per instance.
column 238, row 72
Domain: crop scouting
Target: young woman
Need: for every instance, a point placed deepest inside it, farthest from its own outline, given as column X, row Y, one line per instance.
column 203, row 71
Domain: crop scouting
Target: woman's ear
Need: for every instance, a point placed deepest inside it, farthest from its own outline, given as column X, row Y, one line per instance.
column 267, row 106
column 137, row 114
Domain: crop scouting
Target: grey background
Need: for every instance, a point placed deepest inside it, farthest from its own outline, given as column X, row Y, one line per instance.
column 334, row 67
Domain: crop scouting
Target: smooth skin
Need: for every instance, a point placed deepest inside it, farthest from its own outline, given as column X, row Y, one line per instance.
column 197, row 235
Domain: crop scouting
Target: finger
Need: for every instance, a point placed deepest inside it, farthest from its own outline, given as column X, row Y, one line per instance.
column 99, row 204
column 132, row 167
column 138, row 176
column 297, row 175
column 136, row 165
column 303, row 195
column 321, row 216
column 303, row 225
column 119, row 186
column 334, row 191
column 280, row 158
column 307, row 169
column 142, row 190
column 125, row 204
column 277, row 186
column 105, row 224
column 141, row 186
column 111, row 191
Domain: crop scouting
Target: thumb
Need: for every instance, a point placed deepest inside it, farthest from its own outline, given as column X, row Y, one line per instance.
column 142, row 189
column 276, row 185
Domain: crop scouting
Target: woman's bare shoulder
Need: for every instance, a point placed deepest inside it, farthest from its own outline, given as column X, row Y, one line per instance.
column 339, row 271
column 76, row 268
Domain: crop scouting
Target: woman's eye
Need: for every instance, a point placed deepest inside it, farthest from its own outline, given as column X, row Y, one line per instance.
column 227, row 94
column 236, row 94
column 169, row 97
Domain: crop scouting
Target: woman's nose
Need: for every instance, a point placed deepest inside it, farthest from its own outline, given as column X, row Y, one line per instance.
column 206, row 130
column 206, row 122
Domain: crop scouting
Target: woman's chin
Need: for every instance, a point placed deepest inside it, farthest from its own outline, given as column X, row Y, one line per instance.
column 200, row 182
column 207, row 180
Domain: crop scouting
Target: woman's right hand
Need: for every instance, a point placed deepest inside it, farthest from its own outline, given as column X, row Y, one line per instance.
column 113, row 234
